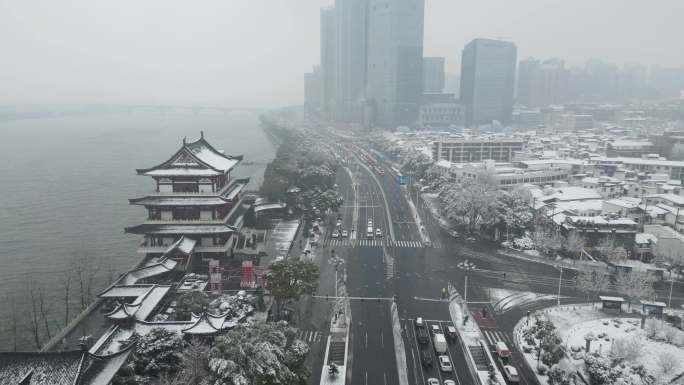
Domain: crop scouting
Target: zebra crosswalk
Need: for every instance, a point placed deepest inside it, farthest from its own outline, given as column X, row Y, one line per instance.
column 494, row 336
column 309, row 336
column 377, row 243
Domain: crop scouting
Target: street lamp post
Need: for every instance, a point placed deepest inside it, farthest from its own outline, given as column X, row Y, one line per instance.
column 466, row 266
column 669, row 298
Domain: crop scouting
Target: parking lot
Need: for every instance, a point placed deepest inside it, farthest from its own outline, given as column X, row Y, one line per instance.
column 419, row 370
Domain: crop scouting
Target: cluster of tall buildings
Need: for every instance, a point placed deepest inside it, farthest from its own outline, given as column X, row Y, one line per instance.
column 371, row 62
column 372, row 72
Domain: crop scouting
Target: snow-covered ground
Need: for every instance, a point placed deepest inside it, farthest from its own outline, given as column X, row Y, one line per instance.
column 574, row 323
column 503, row 299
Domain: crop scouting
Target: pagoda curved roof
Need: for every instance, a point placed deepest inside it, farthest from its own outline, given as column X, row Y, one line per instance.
column 172, row 228
column 123, row 311
column 206, row 323
column 227, row 195
column 198, row 158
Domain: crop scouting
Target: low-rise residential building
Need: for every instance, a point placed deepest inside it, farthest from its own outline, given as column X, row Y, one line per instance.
column 669, row 245
column 629, row 148
column 606, row 186
column 593, row 230
column 675, row 169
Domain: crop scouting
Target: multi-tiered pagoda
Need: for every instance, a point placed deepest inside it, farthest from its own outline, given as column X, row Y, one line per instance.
column 190, row 209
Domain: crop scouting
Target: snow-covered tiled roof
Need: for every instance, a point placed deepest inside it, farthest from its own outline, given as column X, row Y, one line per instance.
column 182, row 172
column 33, row 368
column 625, row 202
column 196, row 158
column 206, row 323
column 643, row 238
column 198, row 228
column 570, row 193
column 208, row 155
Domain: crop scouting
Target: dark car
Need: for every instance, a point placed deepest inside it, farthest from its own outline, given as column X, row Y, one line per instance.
column 422, row 336
column 451, row 333
column 426, row 359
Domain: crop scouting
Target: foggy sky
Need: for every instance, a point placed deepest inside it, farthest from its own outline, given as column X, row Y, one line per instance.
column 253, row 53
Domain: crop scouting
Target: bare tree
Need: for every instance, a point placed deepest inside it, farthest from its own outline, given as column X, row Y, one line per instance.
column 44, row 311
column 85, row 271
column 617, row 254
column 195, row 362
column 605, row 246
column 67, row 294
column 12, row 327
column 634, row 286
column 33, row 312
column 574, row 244
column 591, row 282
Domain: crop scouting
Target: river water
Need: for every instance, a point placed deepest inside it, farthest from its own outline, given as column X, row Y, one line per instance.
column 64, row 188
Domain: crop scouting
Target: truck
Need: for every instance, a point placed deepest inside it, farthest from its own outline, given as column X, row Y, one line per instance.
column 440, row 343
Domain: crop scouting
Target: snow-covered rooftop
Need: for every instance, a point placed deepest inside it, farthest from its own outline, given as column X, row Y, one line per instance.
column 570, row 193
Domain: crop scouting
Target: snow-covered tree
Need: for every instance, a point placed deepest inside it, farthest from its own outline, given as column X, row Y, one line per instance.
column 258, row 354
column 634, row 286
column 159, row 352
column 668, row 362
column 629, row 349
column 194, row 301
column 290, row 279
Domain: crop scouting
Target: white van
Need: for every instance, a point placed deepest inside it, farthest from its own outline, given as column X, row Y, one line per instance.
column 502, row 350
column 440, row 343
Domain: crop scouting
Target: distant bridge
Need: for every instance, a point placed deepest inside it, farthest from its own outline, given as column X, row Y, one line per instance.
column 196, row 109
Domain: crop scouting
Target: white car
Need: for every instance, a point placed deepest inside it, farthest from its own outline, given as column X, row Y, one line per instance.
column 378, row 233
column 336, row 234
column 445, row 364
column 449, row 382
column 432, row 381
column 345, row 234
column 511, row 373
column 435, row 329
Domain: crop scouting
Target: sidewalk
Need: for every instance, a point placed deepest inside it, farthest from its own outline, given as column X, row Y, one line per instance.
column 473, row 342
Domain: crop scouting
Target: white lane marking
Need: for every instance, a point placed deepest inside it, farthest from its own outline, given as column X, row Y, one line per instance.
column 382, row 340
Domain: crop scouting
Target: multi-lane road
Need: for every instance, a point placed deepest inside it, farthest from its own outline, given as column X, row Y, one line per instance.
column 403, row 269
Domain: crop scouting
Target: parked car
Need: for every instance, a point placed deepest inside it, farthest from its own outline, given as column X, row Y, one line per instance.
column 435, row 329
column 454, row 233
column 471, row 239
column 445, row 364
column 336, row 234
column 345, row 233
column 449, row 382
column 419, row 322
column 432, row 381
column 426, row 359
